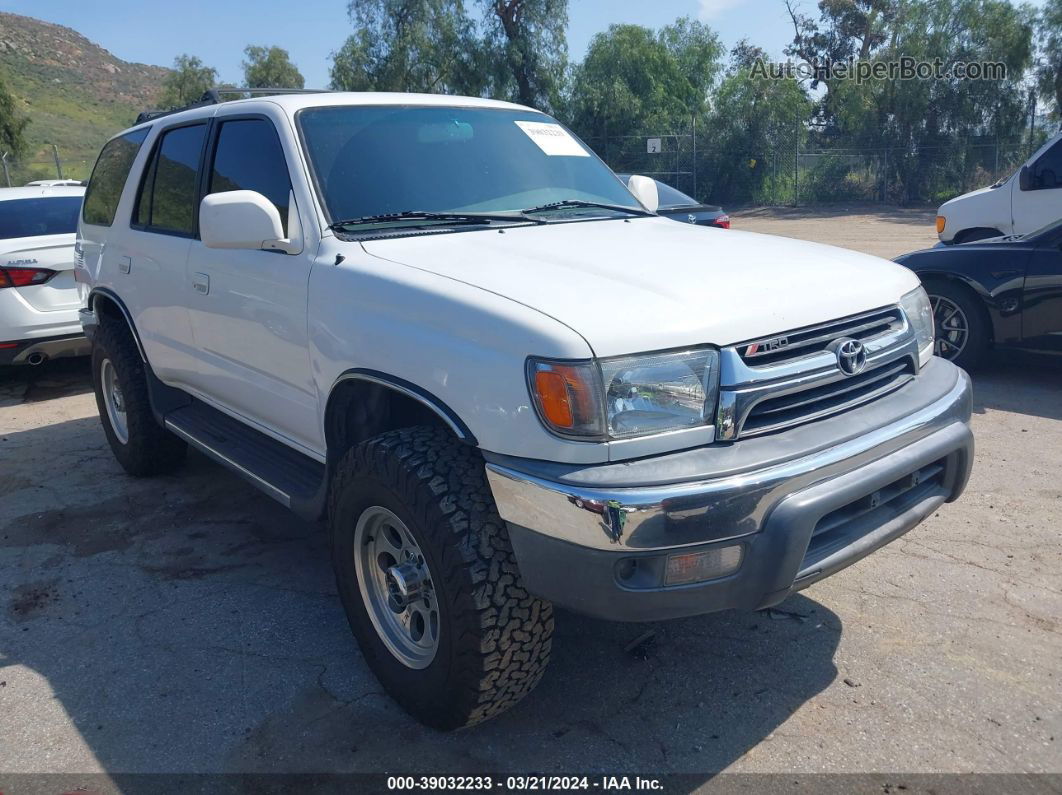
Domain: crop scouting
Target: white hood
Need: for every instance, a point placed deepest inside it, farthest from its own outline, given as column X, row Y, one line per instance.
column 651, row 283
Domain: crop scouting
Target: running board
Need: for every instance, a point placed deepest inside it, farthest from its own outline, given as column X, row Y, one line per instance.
column 291, row 478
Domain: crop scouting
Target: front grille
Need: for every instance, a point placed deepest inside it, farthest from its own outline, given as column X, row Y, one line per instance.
column 829, row 398
column 848, row 524
column 811, row 340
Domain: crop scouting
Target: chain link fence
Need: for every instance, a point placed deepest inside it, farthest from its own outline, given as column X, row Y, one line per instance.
column 47, row 163
column 789, row 173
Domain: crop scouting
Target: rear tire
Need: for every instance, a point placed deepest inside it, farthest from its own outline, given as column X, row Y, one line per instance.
column 140, row 444
column 492, row 638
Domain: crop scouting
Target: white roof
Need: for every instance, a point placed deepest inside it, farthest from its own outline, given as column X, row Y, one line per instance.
column 38, row 191
column 291, row 103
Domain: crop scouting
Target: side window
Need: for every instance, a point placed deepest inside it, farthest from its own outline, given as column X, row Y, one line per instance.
column 167, row 198
column 1048, row 169
column 248, row 156
column 109, row 176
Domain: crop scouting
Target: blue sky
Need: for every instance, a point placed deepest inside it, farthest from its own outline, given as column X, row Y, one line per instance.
column 218, row 30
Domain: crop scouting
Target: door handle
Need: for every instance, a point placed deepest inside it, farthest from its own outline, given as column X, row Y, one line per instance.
column 201, row 283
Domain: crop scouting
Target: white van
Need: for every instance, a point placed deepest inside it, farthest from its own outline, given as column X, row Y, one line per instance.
column 1027, row 200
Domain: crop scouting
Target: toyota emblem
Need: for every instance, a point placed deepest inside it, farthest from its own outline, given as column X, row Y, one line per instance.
column 851, row 355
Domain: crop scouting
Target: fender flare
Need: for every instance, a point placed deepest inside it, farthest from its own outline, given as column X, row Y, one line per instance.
column 110, row 295
column 410, row 390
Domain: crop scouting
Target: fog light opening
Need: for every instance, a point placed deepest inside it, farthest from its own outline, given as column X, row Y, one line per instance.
column 628, row 567
column 686, row 568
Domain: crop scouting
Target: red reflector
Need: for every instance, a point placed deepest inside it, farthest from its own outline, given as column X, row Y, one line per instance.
column 6, row 345
column 24, row 277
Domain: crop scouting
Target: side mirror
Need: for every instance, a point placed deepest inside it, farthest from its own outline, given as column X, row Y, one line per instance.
column 644, row 190
column 1025, row 179
column 243, row 219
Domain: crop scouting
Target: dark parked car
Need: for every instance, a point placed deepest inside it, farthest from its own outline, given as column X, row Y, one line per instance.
column 678, row 206
column 1006, row 291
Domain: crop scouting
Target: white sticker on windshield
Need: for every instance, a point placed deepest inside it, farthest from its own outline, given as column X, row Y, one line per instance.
column 552, row 138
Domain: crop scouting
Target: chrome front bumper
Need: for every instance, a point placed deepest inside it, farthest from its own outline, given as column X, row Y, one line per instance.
column 572, row 528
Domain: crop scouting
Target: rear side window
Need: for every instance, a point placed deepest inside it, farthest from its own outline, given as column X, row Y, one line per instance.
column 166, row 202
column 248, row 156
column 109, row 176
column 46, row 215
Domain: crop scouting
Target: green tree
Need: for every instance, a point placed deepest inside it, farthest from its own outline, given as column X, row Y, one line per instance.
column 270, row 67
column 12, row 122
column 755, row 126
column 527, row 50
column 634, row 81
column 409, row 45
column 187, row 82
column 1049, row 68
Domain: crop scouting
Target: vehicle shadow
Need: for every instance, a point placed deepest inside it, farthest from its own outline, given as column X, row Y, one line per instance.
column 1019, row 382
column 52, row 379
column 187, row 624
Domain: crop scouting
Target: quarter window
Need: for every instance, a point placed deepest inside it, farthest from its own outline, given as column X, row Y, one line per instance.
column 168, row 190
column 109, row 176
column 248, row 156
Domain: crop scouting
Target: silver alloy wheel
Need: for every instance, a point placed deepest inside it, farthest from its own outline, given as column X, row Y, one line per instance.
column 951, row 326
column 114, row 401
column 396, row 587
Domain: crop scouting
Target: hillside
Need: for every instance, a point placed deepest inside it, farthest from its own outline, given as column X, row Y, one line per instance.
column 75, row 93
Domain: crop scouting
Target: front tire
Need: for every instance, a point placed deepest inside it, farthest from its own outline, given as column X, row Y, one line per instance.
column 960, row 326
column 429, row 581
column 139, row 443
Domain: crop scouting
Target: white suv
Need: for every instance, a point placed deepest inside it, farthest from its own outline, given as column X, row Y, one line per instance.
column 39, row 301
column 444, row 326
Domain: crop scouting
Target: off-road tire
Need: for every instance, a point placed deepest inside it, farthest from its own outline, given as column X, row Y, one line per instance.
column 150, row 449
column 494, row 637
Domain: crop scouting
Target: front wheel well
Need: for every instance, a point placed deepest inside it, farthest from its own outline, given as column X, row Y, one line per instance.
column 929, row 280
column 360, row 408
column 975, row 233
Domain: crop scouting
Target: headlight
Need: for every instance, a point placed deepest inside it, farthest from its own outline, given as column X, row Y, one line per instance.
column 627, row 396
column 920, row 315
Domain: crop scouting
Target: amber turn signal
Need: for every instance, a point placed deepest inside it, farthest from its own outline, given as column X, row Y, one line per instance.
column 941, row 221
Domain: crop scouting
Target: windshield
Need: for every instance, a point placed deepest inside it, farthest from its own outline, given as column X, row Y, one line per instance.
column 51, row 215
column 374, row 160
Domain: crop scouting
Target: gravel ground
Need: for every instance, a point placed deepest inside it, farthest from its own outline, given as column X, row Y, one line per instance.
column 187, row 624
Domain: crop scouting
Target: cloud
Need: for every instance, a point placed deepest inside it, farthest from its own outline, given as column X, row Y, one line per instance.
column 710, row 9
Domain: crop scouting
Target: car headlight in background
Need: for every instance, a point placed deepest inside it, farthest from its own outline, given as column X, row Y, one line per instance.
column 920, row 315
column 627, row 396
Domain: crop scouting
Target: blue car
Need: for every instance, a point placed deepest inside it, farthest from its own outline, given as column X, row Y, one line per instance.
column 1001, row 292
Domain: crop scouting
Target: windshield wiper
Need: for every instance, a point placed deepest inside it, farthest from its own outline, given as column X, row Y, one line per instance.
column 542, row 208
column 421, row 215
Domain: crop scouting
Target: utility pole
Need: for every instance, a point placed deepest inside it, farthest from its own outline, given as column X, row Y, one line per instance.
column 1032, row 117
column 58, row 164
column 7, row 175
column 698, row 198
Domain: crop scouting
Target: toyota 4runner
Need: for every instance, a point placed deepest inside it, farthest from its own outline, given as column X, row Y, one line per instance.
column 447, row 328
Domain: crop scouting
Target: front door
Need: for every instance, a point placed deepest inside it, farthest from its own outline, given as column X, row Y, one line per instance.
column 248, row 307
column 1036, row 208
column 1041, row 321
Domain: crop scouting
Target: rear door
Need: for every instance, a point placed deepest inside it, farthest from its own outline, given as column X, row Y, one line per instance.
column 152, row 254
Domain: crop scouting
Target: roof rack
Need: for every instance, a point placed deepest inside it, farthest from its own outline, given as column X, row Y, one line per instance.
column 212, row 96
